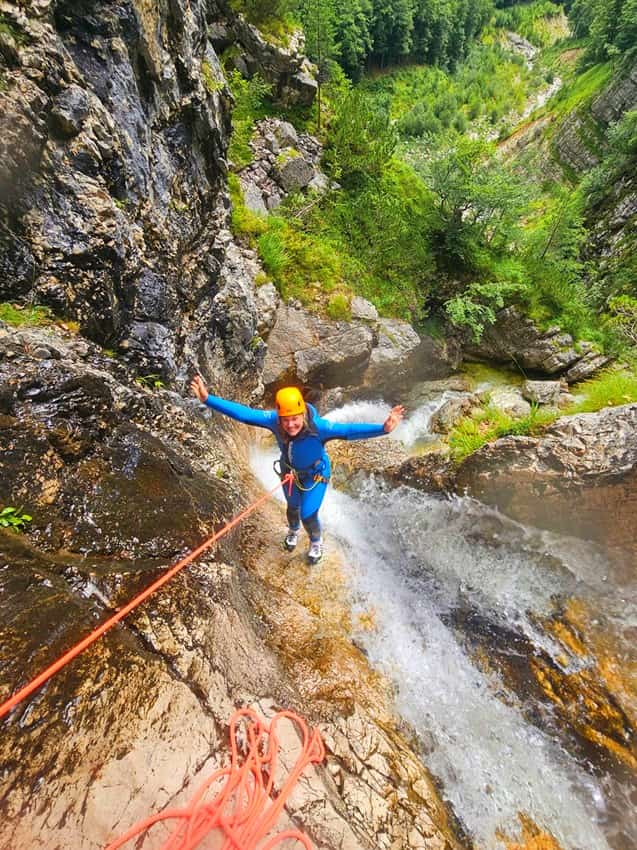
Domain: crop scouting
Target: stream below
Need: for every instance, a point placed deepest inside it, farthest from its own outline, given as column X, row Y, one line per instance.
column 452, row 600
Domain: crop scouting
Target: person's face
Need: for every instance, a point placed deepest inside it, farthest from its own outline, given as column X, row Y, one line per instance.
column 292, row 424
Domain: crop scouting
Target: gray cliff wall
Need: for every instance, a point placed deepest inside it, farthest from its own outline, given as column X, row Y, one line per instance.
column 114, row 124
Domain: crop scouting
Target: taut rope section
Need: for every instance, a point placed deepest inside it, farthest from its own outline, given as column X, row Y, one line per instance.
column 24, row 692
column 249, row 803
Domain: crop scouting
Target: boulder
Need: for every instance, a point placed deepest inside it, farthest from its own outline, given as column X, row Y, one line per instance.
column 542, row 392
column 401, row 357
column 292, row 329
column 509, row 401
column 285, row 66
column 320, row 183
column 433, row 472
column 69, row 112
column 253, row 197
column 579, row 478
column 293, row 171
column 285, row 134
column 586, row 367
column 450, row 412
column 363, row 309
column 340, row 357
column 316, row 352
column 300, row 89
column 515, row 339
column 354, row 461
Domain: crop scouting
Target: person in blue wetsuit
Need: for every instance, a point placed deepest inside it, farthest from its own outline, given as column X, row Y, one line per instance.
column 301, row 435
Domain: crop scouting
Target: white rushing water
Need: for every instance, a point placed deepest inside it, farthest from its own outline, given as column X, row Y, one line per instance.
column 415, row 558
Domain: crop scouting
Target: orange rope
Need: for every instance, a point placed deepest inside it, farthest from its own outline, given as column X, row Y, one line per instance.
column 248, row 805
column 24, row 692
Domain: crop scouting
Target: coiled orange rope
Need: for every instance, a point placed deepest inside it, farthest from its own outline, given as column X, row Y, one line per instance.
column 248, row 805
column 46, row 674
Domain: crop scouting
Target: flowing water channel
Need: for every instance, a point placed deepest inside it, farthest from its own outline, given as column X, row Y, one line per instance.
column 447, row 582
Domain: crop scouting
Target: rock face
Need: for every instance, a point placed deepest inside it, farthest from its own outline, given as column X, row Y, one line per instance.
column 112, row 178
column 579, row 143
column 284, row 161
column 451, row 411
column 579, row 478
column 120, row 480
column 385, row 356
column 304, row 348
column 286, row 67
column 542, row 392
column 515, row 339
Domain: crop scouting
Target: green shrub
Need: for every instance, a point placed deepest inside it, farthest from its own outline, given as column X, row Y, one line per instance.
column 272, row 252
column 623, row 318
column 15, row 314
column 487, row 423
column 338, row 308
column 14, row 519
column 211, row 83
column 250, row 96
column 611, row 388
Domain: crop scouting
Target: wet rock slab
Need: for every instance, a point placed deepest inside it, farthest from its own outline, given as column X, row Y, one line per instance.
column 579, row 478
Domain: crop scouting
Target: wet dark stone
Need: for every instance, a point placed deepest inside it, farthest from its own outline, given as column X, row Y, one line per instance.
column 70, row 109
column 154, row 299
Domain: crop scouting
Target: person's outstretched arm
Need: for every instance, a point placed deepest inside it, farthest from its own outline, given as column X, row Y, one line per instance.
column 240, row 412
column 360, row 430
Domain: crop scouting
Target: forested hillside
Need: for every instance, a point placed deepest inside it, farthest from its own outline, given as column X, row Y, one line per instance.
column 453, row 131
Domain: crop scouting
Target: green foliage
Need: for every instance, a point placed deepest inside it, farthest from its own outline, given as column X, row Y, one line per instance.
column 622, row 318
column 275, row 18
column 477, row 203
column 362, row 32
column 534, row 21
column 429, row 103
column 554, row 290
column 610, row 25
column 361, row 141
column 580, row 91
column 476, row 306
column 487, row 423
column 244, row 221
column 150, row 382
column 620, row 159
column 613, row 387
column 249, row 98
column 14, row 519
column 272, row 251
column 16, row 314
column 338, row 308
column 9, row 28
column 211, row 83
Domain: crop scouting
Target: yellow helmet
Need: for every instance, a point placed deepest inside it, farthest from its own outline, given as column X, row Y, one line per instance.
column 289, row 402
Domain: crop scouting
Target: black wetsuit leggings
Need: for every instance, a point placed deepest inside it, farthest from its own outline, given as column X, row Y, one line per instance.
column 311, row 523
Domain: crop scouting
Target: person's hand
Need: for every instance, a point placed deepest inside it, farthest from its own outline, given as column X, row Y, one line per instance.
column 395, row 418
column 199, row 389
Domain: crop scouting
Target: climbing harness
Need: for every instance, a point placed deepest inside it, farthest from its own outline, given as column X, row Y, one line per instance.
column 46, row 674
column 312, row 473
column 247, row 806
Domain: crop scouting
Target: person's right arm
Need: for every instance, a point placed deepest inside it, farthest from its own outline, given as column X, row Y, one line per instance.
column 240, row 412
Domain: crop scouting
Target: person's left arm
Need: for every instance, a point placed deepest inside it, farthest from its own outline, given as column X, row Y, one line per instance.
column 358, row 430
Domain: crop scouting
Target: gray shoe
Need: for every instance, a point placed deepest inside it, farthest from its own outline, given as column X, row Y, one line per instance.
column 315, row 552
column 291, row 539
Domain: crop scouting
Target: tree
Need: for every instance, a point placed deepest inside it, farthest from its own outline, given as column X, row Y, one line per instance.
column 362, row 141
column 353, row 36
column 319, row 23
column 477, row 203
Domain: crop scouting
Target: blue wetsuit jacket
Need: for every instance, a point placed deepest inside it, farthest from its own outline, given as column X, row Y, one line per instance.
column 304, row 453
